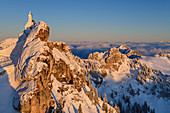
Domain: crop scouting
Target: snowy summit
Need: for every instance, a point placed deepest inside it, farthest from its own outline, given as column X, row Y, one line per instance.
column 41, row 76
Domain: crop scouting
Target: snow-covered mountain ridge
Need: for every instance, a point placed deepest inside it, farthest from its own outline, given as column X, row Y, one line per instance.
column 130, row 79
column 44, row 77
column 43, row 70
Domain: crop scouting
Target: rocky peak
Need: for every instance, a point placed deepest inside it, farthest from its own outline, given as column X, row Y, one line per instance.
column 109, row 58
column 130, row 53
column 43, row 33
column 39, row 59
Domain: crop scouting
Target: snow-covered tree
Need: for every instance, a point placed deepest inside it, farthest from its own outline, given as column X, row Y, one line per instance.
column 105, row 98
column 88, row 78
column 80, row 109
column 117, row 108
column 91, row 95
column 104, row 106
column 101, row 96
column 90, row 85
column 96, row 97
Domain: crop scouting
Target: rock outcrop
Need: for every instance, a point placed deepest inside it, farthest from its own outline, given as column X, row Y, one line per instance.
column 39, row 60
column 34, row 77
column 111, row 59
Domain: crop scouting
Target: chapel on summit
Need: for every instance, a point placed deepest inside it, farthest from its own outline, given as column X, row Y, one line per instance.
column 30, row 21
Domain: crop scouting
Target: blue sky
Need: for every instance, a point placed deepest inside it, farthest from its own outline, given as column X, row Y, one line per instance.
column 90, row 20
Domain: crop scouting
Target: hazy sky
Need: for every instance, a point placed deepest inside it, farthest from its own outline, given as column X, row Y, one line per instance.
column 90, row 20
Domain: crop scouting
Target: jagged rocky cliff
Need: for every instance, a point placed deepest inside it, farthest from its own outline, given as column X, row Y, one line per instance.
column 49, row 77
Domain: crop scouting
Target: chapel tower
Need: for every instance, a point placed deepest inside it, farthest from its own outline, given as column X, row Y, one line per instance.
column 30, row 21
